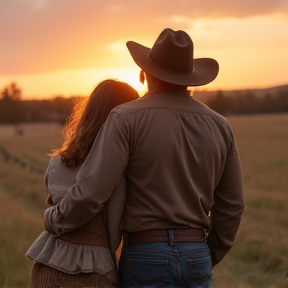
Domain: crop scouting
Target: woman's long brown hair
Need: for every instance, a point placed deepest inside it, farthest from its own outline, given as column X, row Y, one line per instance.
column 88, row 115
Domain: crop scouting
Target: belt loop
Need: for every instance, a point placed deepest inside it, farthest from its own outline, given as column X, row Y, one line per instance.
column 171, row 237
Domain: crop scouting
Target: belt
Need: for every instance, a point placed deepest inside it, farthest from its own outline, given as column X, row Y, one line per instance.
column 84, row 239
column 165, row 235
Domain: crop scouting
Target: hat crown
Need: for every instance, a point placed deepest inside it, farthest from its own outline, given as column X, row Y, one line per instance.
column 173, row 51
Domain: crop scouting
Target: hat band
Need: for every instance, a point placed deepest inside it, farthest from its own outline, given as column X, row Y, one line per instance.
column 170, row 71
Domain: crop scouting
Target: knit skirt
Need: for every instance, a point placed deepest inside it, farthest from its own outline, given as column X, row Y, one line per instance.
column 43, row 276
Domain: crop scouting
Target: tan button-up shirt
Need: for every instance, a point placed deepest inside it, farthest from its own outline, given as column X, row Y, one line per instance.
column 182, row 169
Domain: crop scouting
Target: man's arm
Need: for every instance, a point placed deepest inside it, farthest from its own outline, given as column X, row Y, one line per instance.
column 96, row 180
column 115, row 207
column 227, row 209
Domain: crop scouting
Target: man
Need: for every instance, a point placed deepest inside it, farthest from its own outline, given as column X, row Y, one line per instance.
column 182, row 168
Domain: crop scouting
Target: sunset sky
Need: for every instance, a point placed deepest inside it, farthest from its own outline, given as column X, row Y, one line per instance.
column 65, row 47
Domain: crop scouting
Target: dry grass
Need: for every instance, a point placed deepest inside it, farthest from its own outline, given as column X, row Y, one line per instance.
column 22, row 197
column 259, row 257
column 34, row 144
column 19, row 228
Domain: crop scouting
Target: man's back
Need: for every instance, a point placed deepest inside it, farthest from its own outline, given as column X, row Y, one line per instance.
column 178, row 149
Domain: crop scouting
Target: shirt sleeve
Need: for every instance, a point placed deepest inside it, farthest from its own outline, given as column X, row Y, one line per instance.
column 227, row 209
column 114, row 213
column 95, row 181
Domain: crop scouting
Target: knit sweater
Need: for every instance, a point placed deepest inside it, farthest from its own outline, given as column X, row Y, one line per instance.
column 75, row 258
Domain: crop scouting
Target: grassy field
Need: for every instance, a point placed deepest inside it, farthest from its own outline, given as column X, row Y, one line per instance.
column 259, row 257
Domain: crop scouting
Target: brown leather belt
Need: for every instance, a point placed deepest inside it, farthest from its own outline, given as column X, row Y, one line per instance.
column 84, row 239
column 178, row 235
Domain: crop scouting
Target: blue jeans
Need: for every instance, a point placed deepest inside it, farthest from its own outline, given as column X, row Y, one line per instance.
column 186, row 264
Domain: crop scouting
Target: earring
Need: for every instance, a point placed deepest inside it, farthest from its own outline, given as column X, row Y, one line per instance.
column 142, row 77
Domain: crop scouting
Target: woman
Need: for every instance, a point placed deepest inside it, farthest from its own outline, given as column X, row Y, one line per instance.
column 81, row 258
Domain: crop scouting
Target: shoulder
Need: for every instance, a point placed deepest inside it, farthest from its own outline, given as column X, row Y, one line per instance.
column 56, row 164
column 55, row 160
column 56, row 169
column 128, row 108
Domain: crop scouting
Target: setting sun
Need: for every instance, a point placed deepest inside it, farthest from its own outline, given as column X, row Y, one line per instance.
column 132, row 77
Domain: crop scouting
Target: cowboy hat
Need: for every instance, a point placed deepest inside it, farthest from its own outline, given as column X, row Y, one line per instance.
column 171, row 60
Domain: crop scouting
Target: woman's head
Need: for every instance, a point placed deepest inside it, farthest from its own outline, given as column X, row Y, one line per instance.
column 88, row 116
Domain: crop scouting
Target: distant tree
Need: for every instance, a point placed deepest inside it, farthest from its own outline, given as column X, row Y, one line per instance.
column 12, row 92
column 250, row 103
column 267, row 104
column 220, row 103
column 282, row 101
column 11, row 104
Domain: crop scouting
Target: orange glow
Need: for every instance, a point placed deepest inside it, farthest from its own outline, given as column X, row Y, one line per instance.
column 132, row 78
column 67, row 57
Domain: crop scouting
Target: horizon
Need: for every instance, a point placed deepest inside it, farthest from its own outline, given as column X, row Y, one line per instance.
column 193, row 90
column 47, row 53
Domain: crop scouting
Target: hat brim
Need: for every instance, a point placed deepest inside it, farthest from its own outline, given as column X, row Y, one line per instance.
column 204, row 71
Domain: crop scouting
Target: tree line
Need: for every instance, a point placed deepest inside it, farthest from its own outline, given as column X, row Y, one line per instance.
column 15, row 110
column 249, row 103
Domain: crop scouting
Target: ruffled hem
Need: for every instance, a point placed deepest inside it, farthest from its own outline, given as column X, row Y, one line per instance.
column 72, row 258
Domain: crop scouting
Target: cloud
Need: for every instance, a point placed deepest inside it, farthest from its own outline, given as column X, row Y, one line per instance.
column 43, row 35
column 254, row 32
column 40, row 4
